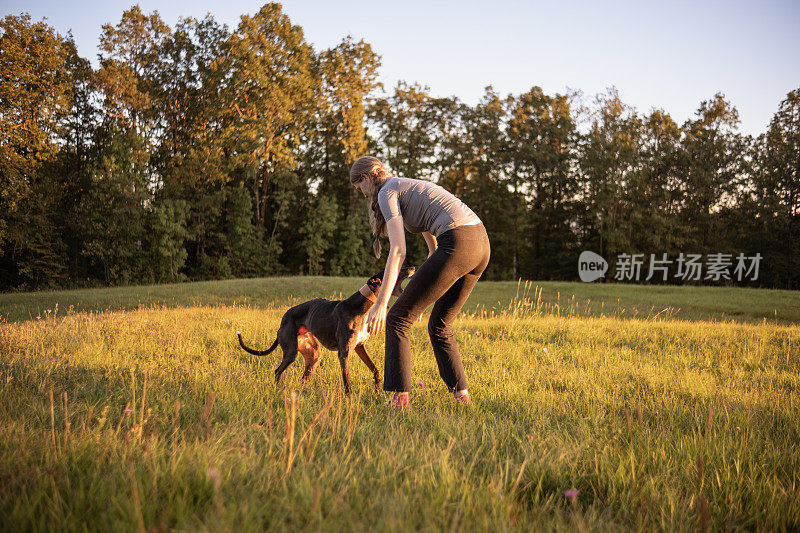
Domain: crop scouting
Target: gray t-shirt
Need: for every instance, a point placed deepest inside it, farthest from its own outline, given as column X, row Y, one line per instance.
column 424, row 206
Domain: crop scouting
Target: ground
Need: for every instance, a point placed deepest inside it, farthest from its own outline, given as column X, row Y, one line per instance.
column 593, row 407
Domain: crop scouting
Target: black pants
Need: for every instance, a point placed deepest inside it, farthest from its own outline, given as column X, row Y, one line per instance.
column 447, row 278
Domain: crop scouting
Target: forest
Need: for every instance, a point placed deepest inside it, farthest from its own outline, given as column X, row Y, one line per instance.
column 201, row 151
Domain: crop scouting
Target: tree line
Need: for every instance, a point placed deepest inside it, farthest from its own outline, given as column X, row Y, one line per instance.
column 203, row 152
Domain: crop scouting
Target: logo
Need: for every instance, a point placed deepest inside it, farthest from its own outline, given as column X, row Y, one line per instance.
column 591, row 266
column 687, row 267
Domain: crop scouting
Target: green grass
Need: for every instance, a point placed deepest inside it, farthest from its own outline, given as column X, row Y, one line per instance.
column 562, row 298
column 676, row 419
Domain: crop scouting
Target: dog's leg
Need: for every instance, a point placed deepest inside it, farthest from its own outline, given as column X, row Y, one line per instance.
column 309, row 347
column 288, row 340
column 362, row 353
column 343, row 353
column 283, row 366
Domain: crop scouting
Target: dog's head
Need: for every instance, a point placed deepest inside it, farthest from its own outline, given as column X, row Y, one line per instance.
column 374, row 283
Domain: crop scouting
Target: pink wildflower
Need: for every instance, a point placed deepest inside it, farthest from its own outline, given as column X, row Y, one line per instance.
column 420, row 383
column 128, row 411
column 213, row 475
column 571, row 494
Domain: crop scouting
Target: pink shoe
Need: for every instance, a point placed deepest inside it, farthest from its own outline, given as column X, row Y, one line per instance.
column 400, row 400
column 462, row 396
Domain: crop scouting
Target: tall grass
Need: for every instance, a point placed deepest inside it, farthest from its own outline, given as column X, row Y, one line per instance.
column 154, row 419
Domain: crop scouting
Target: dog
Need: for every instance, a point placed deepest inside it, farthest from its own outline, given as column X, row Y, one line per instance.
column 339, row 325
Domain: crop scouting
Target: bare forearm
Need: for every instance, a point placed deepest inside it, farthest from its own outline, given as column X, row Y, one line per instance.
column 390, row 274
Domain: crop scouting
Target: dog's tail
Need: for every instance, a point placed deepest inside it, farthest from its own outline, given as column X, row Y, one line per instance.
column 256, row 352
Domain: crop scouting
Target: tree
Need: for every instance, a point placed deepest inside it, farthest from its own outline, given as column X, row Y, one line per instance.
column 268, row 98
column 35, row 94
column 347, row 76
column 477, row 173
column 713, row 152
column 167, row 234
column 113, row 211
column 407, row 124
column 246, row 251
column 289, row 205
column 654, row 192
column 317, row 231
column 541, row 140
column 609, row 158
column 131, row 61
column 191, row 153
column 191, row 159
column 351, row 255
column 778, row 186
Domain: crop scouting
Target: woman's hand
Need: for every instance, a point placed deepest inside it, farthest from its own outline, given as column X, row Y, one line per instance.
column 376, row 319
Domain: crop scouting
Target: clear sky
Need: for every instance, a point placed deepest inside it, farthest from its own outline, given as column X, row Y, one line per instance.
column 668, row 54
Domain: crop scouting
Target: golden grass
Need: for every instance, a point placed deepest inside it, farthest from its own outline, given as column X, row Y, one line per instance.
column 157, row 420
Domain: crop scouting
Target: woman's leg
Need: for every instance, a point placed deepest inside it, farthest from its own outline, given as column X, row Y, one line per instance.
column 461, row 252
column 440, row 324
column 440, row 330
column 429, row 282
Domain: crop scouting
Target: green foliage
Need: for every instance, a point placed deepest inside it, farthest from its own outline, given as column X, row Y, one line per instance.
column 347, row 76
column 113, row 212
column 207, row 236
column 192, row 157
column 167, row 234
column 38, row 258
column 351, row 254
column 248, row 254
column 268, row 97
column 778, row 186
column 481, row 181
column 713, row 152
column 246, row 128
column 320, row 225
column 609, row 157
column 541, row 153
column 409, row 122
column 35, row 94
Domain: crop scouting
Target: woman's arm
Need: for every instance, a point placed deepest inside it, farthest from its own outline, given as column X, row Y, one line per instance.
column 397, row 253
column 430, row 240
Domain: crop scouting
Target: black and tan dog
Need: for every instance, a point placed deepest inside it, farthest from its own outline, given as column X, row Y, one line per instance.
column 339, row 325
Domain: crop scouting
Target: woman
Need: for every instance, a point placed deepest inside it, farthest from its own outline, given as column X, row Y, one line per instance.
column 458, row 254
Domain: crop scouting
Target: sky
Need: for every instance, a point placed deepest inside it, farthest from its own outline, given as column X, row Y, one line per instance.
column 670, row 55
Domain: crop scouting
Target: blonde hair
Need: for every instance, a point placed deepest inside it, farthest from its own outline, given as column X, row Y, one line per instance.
column 370, row 168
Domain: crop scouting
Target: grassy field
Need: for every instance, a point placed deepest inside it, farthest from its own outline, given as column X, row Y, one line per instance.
column 595, row 407
column 550, row 297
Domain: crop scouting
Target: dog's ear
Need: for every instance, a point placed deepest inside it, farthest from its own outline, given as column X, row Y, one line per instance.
column 374, row 282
